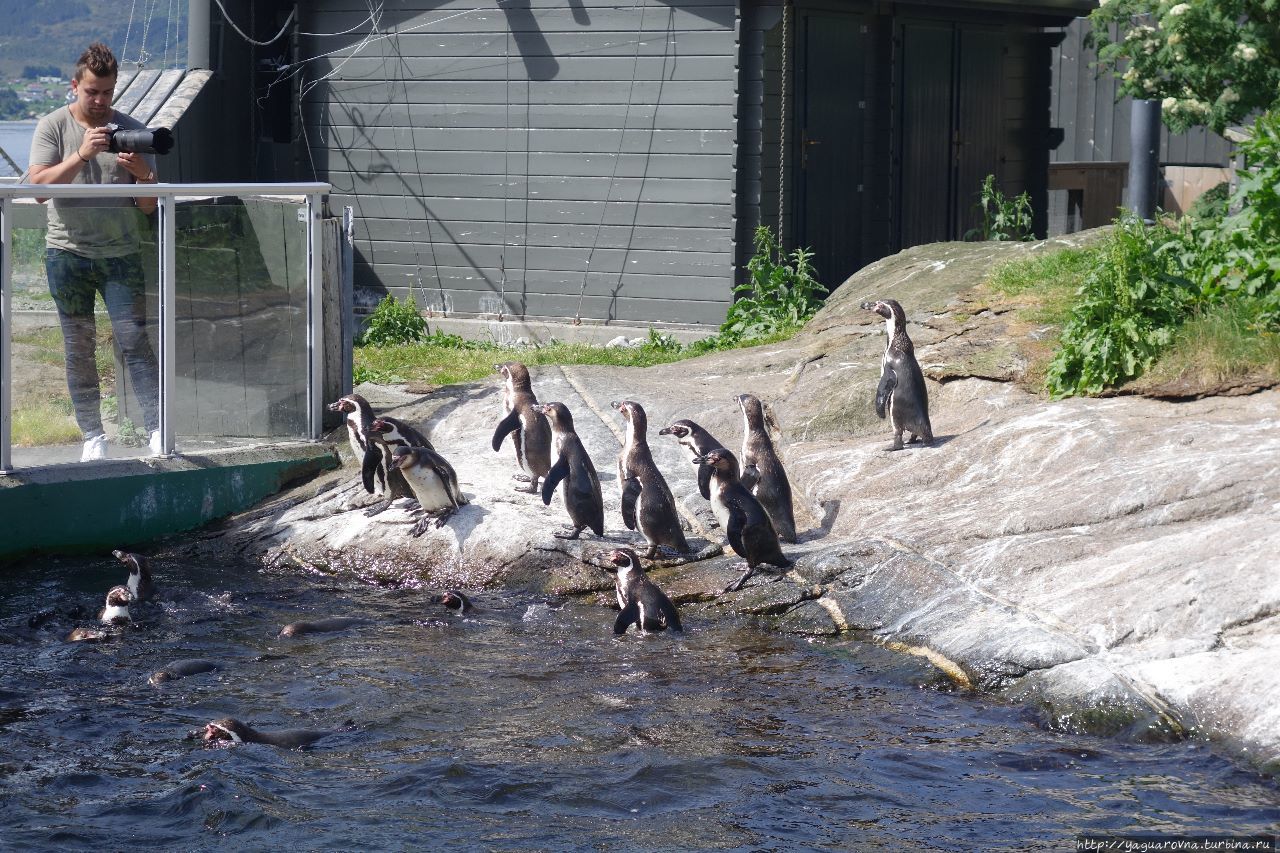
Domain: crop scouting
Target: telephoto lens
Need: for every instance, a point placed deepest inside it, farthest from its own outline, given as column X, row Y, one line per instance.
column 151, row 140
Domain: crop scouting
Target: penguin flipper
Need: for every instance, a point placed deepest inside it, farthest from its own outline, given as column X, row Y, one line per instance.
column 371, row 466
column 737, row 523
column 704, row 479
column 630, row 495
column 558, row 472
column 750, row 477
column 507, row 425
column 888, row 381
column 629, row 614
column 670, row 616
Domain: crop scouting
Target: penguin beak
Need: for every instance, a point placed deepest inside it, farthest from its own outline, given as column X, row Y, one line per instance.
column 616, row 404
column 665, row 431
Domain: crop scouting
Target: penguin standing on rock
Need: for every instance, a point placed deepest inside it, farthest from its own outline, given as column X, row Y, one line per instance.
column 521, row 418
column 358, row 415
column 573, row 466
column 385, row 435
column 642, row 603
column 902, row 392
column 744, row 520
column 695, row 441
column 762, row 471
column 140, row 586
column 647, row 503
column 434, row 484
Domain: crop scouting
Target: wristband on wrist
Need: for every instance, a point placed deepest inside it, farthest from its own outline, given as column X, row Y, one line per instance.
column 81, row 156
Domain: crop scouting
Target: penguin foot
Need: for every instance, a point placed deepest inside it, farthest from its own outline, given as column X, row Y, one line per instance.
column 568, row 533
column 737, row 585
column 532, row 490
column 523, row 478
column 420, row 526
column 377, row 508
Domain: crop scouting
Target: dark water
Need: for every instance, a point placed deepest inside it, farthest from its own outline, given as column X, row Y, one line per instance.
column 529, row 727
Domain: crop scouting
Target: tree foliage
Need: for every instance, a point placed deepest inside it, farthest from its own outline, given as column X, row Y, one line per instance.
column 1209, row 62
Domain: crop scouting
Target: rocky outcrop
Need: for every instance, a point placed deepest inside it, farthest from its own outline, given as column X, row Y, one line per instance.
column 1111, row 559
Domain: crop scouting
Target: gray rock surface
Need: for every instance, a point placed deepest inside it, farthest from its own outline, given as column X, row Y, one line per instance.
column 1112, row 560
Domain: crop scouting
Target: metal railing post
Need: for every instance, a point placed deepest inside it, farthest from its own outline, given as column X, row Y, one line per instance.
column 6, row 332
column 168, row 322
column 315, row 317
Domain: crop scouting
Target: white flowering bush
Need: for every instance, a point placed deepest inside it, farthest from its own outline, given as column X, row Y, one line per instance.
column 1208, row 62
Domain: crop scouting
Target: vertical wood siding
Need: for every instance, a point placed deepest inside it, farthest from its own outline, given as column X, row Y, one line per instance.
column 586, row 148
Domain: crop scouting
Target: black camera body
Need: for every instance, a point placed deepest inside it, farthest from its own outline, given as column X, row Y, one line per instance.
column 150, row 140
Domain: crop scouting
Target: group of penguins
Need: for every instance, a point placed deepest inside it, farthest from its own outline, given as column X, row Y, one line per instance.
column 750, row 497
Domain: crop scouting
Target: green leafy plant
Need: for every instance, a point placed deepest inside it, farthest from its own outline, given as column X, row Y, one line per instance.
column 779, row 296
column 1132, row 302
column 1002, row 218
column 394, row 322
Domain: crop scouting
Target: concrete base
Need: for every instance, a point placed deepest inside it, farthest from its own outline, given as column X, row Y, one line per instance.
column 516, row 330
column 114, row 503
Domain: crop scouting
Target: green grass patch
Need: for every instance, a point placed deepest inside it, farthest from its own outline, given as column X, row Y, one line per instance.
column 1217, row 346
column 40, row 421
column 1044, row 285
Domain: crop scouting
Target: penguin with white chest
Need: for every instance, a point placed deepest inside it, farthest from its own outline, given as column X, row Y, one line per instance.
column 641, row 602
column 115, row 613
column 647, row 503
column 573, row 467
column 525, row 423
column 358, row 415
column 762, row 471
column 386, row 434
column 693, row 439
column 902, row 394
column 140, row 585
column 745, row 522
column 434, row 484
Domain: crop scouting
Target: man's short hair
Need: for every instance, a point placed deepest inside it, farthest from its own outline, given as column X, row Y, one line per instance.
column 98, row 59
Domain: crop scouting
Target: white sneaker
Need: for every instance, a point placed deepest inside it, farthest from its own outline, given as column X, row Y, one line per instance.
column 156, row 443
column 94, row 448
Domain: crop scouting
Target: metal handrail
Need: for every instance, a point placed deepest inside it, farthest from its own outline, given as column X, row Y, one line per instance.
column 167, row 194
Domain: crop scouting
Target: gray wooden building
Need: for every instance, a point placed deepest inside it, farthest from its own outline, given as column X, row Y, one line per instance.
column 607, row 162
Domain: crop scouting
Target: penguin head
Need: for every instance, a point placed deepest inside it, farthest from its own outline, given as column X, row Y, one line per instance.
column 622, row 559
column 633, row 413
column 380, row 426
column 404, row 457
column 136, row 562
column 890, row 310
column 558, row 414
column 118, row 601
column 751, row 407
column 347, row 404
column 720, row 459
column 680, row 429
column 228, row 728
column 453, row 600
column 514, row 373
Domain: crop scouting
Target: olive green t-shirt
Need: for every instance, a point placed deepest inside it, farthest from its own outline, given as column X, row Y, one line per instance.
column 91, row 227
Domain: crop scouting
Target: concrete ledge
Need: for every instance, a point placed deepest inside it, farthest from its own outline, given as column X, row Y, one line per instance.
column 92, row 506
column 541, row 330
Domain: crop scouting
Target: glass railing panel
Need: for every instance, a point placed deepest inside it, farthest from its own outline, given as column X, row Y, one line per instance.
column 104, row 303
column 240, row 322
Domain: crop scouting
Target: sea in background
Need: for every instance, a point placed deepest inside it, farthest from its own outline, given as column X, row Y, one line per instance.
column 15, row 139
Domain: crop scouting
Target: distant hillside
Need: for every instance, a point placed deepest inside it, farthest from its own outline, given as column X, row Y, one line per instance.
column 43, row 33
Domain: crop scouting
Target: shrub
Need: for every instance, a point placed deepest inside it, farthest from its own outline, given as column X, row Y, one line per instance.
column 1002, row 218
column 394, row 322
column 780, row 295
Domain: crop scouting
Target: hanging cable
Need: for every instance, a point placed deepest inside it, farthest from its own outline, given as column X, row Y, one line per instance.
column 143, row 56
column 287, row 21
column 124, row 52
column 782, row 124
column 506, row 176
column 604, row 206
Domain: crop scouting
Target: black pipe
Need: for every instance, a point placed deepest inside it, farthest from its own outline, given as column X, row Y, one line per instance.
column 1144, row 158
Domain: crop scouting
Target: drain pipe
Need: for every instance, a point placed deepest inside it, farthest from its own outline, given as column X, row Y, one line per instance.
column 1144, row 158
column 198, row 34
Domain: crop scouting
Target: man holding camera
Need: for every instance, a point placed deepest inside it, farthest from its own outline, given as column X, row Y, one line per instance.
column 92, row 245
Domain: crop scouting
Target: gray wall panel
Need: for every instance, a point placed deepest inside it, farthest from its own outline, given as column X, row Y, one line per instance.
column 550, row 259
column 519, row 90
column 562, row 140
column 568, row 212
column 668, row 68
column 342, row 165
column 573, row 116
column 517, row 189
column 642, row 237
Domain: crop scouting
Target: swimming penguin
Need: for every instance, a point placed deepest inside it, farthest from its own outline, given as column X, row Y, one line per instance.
column 434, row 484
column 358, row 415
column 321, row 626
column 453, row 600
column 647, row 503
column 386, row 434
column 530, row 432
column 744, row 520
column 229, row 728
column 642, row 603
column 115, row 613
column 582, row 486
column 762, row 471
column 182, row 668
column 902, row 391
column 140, row 585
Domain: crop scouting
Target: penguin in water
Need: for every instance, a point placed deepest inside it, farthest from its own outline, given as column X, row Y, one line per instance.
column 902, row 392
column 529, row 430
column 358, row 415
column 114, row 614
column 581, row 483
column 231, row 729
column 453, row 600
column 647, row 503
column 434, row 484
column 642, row 603
column 762, row 471
column 744, row 520
column 386, row 434
column 181, row 669
column 141, row 587
column 322, row 626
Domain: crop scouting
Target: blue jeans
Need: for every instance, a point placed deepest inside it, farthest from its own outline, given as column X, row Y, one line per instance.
column 73, row 281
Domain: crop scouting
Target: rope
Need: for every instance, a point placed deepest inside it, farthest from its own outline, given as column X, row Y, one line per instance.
column 782, row 123
column 227, row 17
column 622, row 135
column 506, row 173
column 143, row 56
column 124, row 52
